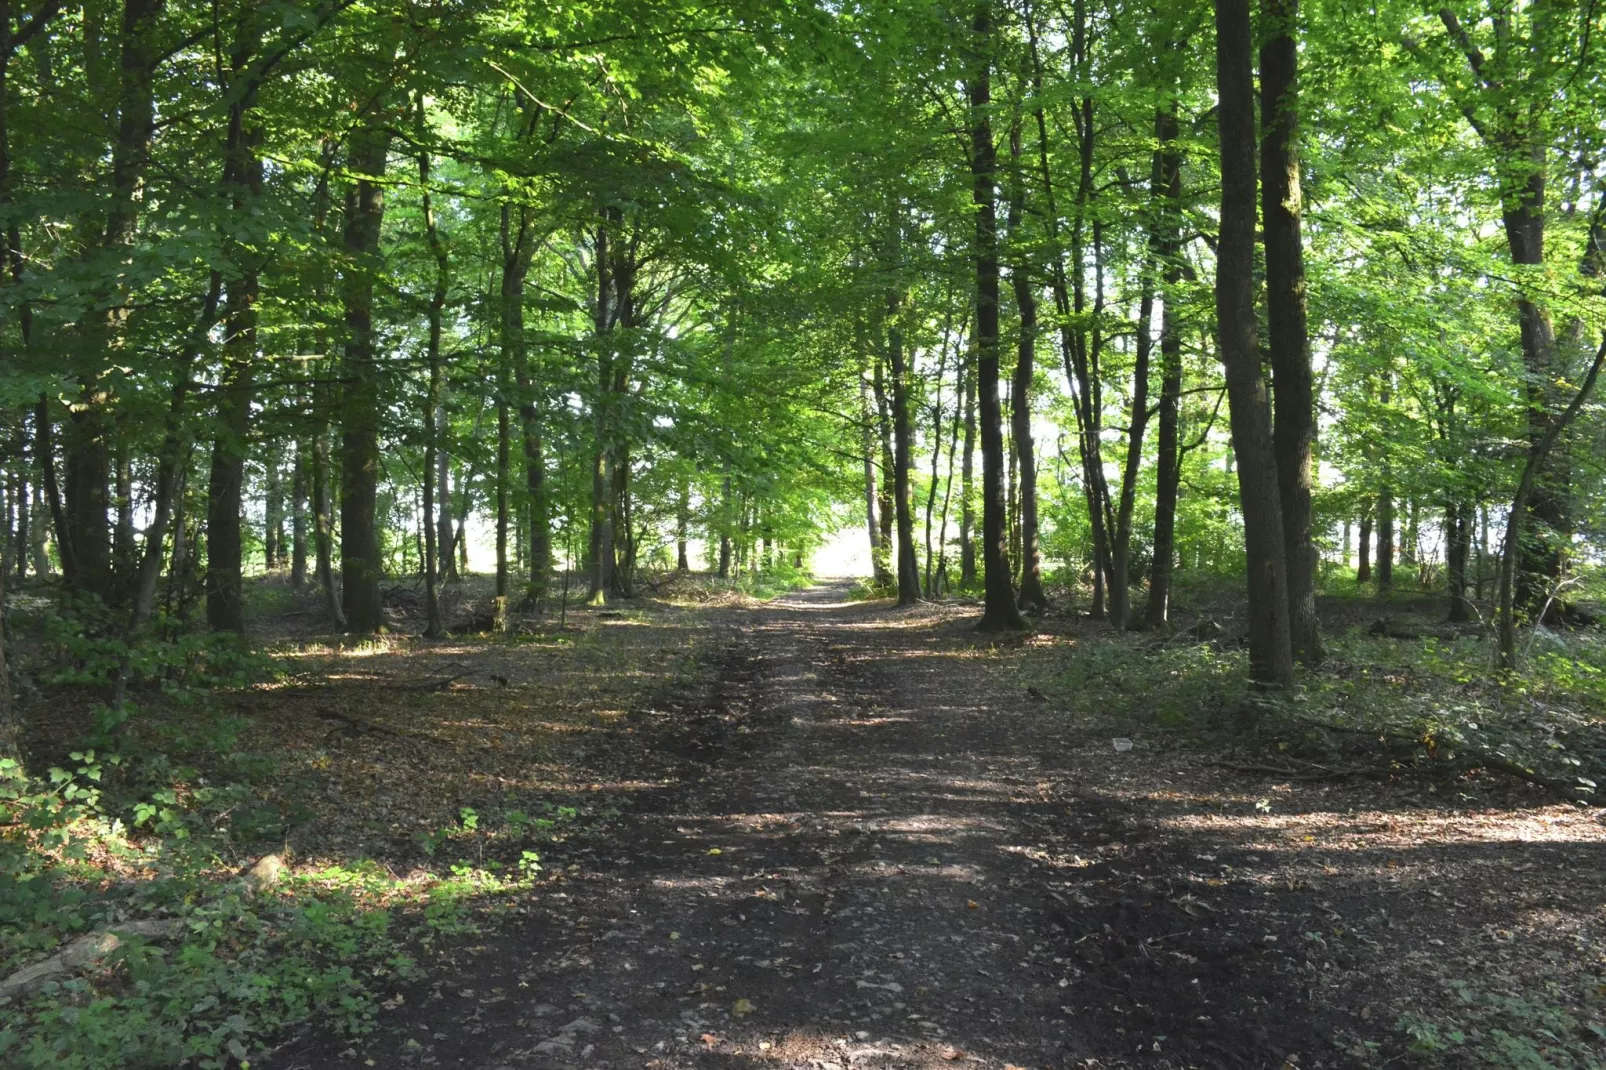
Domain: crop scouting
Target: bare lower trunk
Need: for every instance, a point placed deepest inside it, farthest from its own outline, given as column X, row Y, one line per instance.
column 361, row 565
column 1000, row 612
column 1294, row 436
column 1270, row 650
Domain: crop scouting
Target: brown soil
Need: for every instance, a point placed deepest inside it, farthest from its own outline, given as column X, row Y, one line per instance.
column 863, row 843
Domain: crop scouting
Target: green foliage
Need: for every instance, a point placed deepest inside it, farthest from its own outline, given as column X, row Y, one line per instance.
column 1504, row 1031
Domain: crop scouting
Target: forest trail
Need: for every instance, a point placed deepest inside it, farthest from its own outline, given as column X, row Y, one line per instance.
column 882, row 852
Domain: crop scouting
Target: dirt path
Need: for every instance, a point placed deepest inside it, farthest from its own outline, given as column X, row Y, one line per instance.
column 883, row 853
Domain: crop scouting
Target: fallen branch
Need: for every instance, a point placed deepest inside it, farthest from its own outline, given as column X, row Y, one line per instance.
column 92, row 947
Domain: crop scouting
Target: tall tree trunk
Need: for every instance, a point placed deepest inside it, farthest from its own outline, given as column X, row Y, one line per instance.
column 936, row 464
column 443, row 491
column 1000, row 612
column 682, row 524
column 1457, row 548
column 1294, row 432
column 1511, row 545
column 123, row 501
column 1031, row 596
column 323, row 520
column 225, row 602
column 1168, row 462
column 298, row 518
column 940, row 585
column 601, row 542
column 888, row 512
column 868, row 447
column 273, row 552
column 1363, row 570
column 1270, row 649
column 1384, row 573
column 967, row 494
column 171, row 459
column 361, row 565
column 725, row 530
column 86, row 441
column 10, row 723
column 903, row 434
column 432, row 400
column 1070, row 300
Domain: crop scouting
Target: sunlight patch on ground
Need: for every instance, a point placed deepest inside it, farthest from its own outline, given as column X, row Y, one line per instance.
column 1371, row 830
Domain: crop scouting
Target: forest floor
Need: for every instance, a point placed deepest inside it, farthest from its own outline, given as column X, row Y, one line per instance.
column 819, row 833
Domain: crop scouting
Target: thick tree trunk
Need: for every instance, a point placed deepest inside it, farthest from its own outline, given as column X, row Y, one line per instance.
column 361, row 566
column 1294, row 433
column 86, row 441
column 1000, row 612
column 225, row 602
column 1270, row 650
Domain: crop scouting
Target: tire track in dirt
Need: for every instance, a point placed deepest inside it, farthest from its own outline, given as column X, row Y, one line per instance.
column 870, row 860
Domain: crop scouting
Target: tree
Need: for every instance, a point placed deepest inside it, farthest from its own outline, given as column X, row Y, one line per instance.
column 1270, row 650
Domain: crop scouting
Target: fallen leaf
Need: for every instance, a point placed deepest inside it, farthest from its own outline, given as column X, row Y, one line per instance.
column 972, row 904
column 951, row 1053
column 741, row 1008
column 710, row 1039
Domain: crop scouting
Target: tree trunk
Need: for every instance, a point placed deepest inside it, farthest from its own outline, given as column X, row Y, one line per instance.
column 967, row 494
column 1384, row 572
column 443, row 492
column 1000, row 612
column 87, row 449
column 600, row 551
column 1511, row 545
column 433, row 628
column 171, row 460
column 888, row 512
column 867, row 440
column 908, row 563
column 1031, row 596
column 682, row 524
column 323, row 520
column 1168, row 462
column 361, row 566
column 225, row 602
column 298, row 518
column 10, row 724
column 1294, row 433
column 1270, row 649
column 1457, row 549
column 1363, row 571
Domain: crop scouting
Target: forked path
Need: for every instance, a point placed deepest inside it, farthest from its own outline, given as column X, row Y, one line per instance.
column 882, row 853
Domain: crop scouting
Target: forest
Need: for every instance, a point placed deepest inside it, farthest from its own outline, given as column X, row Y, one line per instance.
column 622, row 532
